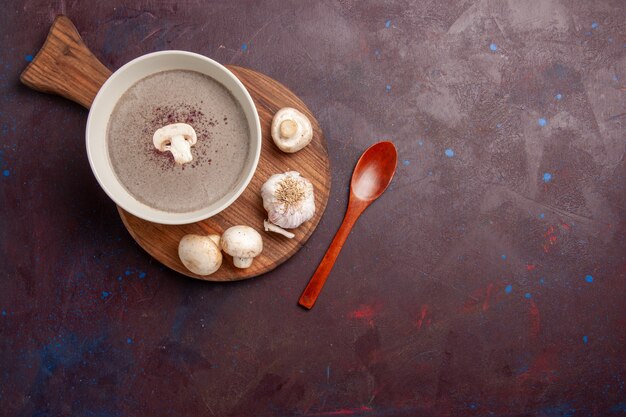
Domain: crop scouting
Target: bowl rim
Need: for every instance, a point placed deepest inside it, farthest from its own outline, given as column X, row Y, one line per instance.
column 171, row 218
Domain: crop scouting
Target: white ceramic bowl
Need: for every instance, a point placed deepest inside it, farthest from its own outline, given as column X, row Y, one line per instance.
column 112, row 90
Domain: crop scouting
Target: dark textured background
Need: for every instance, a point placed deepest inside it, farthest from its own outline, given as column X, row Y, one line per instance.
column 490, row 280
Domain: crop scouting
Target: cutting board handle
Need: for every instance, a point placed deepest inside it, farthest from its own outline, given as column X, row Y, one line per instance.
column 65, row 66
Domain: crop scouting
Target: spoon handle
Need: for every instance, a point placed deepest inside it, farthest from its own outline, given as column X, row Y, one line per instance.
column 313, row 289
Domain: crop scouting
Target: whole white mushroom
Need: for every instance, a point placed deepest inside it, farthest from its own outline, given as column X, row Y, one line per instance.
column 243, row 243
column 291, row 130
column 200, row 254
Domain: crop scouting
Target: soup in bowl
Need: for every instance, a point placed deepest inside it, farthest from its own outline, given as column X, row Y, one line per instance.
column 139, row 166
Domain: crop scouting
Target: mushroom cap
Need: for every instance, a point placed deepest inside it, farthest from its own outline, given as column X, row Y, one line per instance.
column 282, row 124
column 166, row 133
column 199, row 254
column 242, row 242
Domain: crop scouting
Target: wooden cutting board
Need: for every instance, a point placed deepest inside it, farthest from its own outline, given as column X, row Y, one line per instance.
column 65, row 66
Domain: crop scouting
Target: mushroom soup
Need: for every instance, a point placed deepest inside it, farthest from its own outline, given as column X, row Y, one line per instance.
column 155, row 168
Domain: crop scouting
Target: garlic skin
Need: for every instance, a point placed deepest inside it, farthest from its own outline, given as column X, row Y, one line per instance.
column 271, row 227
column 288, row 199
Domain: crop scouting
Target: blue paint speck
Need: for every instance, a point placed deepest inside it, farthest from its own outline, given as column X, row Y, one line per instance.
column 28, row 58
column 406, row 162
column 589, row 278
column 558, row 96
column 4, row 312
column 547, row 177
column 585, row 339
column 528, row 295
column 541, row 281
column 493, row 47
column 542, row 122
column 129, row 340
column 6, row 172
column 615, row 78
column 449, row 153
column 499, row 125
column 244, row 47
column 105, row 294
column 420, row 143
column 503, row 257
column 472, row 406
column 119, row 277
column 430, row 173
column 142, row 275
column 594, row 25
column 508, row 289
column 619, row 407
column 388, row 23
column 541, row 215
column 128, row 272
column 377, row 52
column 388, row 87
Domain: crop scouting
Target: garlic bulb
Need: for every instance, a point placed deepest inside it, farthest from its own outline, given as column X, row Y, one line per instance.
column 288, row 199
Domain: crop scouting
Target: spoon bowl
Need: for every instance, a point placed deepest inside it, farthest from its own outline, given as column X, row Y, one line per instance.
column 374, row 171
column 371, row 177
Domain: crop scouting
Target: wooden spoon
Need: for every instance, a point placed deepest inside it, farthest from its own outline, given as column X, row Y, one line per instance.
column 371, row 177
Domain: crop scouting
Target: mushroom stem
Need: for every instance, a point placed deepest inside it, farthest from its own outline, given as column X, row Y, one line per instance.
column 288, row 128
column 181, row 149
column 242, row 262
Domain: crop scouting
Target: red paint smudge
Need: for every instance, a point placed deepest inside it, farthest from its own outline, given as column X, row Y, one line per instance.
column 535, row 320
column 482, row 298
column 530, row 267
column 543, row 367
column 486, row 302
column 550, row 238
column 423, row 313
column 365, row 312
column 565, row 225
column 344, row 411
